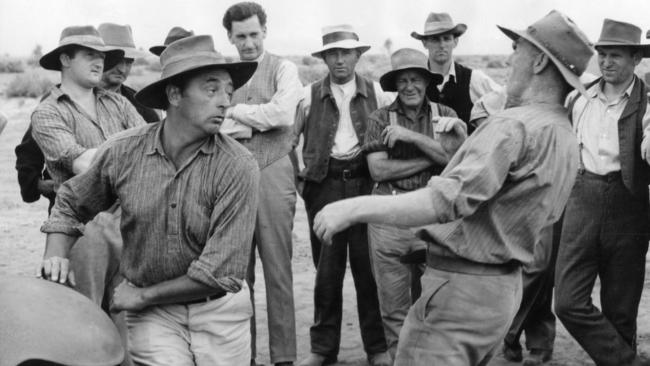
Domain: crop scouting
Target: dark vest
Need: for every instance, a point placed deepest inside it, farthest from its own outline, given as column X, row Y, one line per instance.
column 634, row 170
column 271, row 145
column 323, row 121
column 455, row 94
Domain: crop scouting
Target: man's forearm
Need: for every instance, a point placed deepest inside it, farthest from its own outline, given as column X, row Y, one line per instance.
column 178, row 290
column 390, row 169
column 58, row 245
column 408, row 209
column 432, row 149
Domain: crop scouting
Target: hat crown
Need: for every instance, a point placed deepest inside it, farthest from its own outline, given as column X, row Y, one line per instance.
column 564, row 40
column 86, row 34
column 614, row 31
column 187, row 53
column 116, row 35
column 177, row 33
column 406, row 58
column 338, row 33
column 437, row 18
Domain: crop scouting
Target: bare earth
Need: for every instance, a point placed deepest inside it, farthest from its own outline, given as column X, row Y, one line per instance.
column 22, row 247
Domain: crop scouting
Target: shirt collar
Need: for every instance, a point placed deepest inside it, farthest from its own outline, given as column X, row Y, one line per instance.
column 597, row 90
column 154, row 142
column 57, row 93
column 450, row 73
column 396, row 106
column 326, row 88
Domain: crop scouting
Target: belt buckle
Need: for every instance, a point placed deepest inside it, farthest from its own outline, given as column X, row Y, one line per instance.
column 346, row 174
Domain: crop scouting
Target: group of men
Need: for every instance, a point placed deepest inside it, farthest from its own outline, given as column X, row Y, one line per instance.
column 169, row 213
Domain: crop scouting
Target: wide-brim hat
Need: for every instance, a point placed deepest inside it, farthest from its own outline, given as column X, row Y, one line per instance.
column 407, row 59
column 340, row 36
column 174, row 34
column 120, row 37
column 620, row 34
column 562, row 41
column 83, row 36
column 440, row 23
column 191, row 54
column 43, row 320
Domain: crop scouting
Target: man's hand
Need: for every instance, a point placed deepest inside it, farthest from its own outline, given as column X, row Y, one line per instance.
column 451, row 132
column 393, row 133
column 128, row 297
column 56, row 269
column 645, row 147
column 332, row 219
column 47, row 187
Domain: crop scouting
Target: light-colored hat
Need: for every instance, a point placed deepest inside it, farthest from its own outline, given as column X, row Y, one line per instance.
column 407, row 59
column 190, row 54
column 440, row 23
column 174, row 34
column 621, row 34
column 84, row 36
column 562, row 41
column 120, row 37
column 340, row 36
column 46, row 321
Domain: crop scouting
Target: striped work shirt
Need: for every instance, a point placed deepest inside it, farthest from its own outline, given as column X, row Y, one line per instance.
column 196, row 220
column 422, row 124
column 64, row 130
column 508, row 181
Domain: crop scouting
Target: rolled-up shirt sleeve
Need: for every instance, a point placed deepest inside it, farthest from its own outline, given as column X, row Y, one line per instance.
column 373, row 142
column 55, row 138
column 281, row 109
column 224, row 259
column 478, row 170
column 82, row 197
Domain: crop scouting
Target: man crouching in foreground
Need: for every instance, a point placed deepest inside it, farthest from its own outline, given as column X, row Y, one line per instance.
column 510, row 179
column 188, row 196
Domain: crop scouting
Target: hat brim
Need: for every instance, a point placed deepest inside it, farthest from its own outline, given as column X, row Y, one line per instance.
column 458, row 30
column 347, row 44
column 644, row 48
column 157, row 50
column 571, row 78
column 50, row 61
column 387, row 81
column 154, row 95
column 130, row 52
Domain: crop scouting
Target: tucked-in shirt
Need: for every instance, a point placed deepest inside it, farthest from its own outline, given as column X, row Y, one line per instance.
column 422, row 124
column 196, row 220
column 479, row 83
column 64, row 130
column 595, row 121
column 279, row 111
column 508, row 181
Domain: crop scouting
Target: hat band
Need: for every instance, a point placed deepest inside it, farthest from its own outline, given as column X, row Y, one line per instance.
column 621, row 41
column 574, row 69
column 339, row 36
column 82, row 39
column 437, row 26
column 182, row 63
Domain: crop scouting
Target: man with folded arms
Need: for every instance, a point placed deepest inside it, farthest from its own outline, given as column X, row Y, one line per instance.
column 188, row 196
column 461, row 86
column 480, row 226
column 605, row 228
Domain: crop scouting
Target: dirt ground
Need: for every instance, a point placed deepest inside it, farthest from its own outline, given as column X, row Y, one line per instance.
column 21, row 244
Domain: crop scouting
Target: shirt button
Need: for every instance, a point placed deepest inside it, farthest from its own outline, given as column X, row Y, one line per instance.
column 173, row 205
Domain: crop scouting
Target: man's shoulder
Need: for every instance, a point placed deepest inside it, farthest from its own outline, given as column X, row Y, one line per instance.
column 132, row 137
column 117, row 98
column 233, row 149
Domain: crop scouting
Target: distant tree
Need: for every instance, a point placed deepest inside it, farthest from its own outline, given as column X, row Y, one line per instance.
column 37, row 53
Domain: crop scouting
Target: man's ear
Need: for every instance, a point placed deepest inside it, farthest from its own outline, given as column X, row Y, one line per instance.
column 230, row 38
column 637, row 56
column 174, row 94
column 541, row 61
column 64, row 59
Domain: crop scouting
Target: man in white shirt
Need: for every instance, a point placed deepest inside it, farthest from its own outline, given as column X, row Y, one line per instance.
column 332, row 118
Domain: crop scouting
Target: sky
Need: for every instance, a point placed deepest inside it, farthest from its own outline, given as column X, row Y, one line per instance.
column 294, row 26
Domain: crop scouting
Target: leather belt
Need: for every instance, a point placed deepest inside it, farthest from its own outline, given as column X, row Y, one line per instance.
column 203, row 299
column 466, row 266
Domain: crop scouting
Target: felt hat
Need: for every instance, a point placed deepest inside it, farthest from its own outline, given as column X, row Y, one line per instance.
column 191, row 54
column 120, row 37
column 174, row 34
column 439, row 23
column 407, row 59
column 562, row 41
column 83, row 36
column 620, row 34
column 46, row 321
column 340, row 36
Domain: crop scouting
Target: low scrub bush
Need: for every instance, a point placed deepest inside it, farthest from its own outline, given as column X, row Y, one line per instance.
column 11, row 66
column 30, row 84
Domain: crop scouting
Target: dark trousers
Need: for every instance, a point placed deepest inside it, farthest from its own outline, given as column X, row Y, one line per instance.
column 330, row 262
column 534, row 316
column 604, row 234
